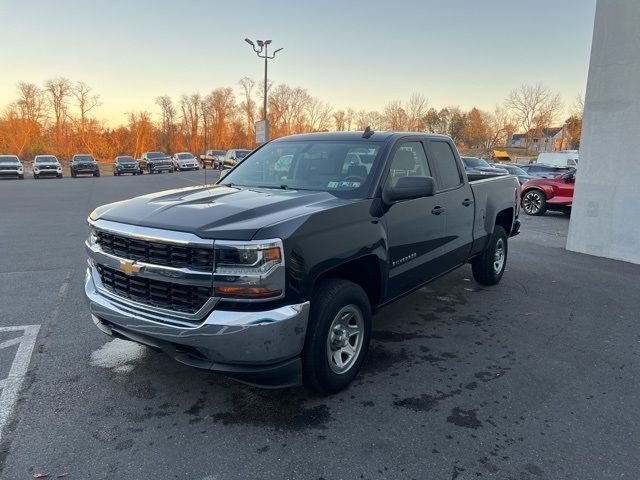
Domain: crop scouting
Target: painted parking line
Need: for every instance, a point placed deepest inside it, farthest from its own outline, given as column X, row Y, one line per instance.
column 10, row 386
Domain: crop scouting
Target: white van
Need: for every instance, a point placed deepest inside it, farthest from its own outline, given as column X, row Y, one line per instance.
column 565, row 158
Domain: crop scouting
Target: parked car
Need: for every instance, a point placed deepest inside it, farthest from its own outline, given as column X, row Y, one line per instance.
column 84, row 163
column 10, row 165
column 272, row 280
column 542, row 194
column 515, row 170
column 544, row 171
column 185, row 161
column 234, row 156
column 478, row 168
column 126, row 164
column 155, row 162
column 565, row 158
column 213, row 157
column 44, row 165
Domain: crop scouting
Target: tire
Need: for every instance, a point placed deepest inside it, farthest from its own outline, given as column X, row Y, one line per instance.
column 534, row 202
column 73, row 174
column 59, row 175
column 489, row 267
column 36, row 176
column 21, row 177
column 567, row 211
column 96, row 174
column 333, row 300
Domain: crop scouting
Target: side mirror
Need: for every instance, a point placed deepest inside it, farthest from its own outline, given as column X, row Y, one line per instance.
column 411, row 187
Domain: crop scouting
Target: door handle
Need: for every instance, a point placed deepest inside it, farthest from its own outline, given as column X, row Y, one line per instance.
column 437, row 210
column 467, row 201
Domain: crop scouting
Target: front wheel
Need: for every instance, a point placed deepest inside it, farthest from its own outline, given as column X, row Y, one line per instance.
column 96, row 174
column 534, row 202
column 337, row 336
column 489, row 267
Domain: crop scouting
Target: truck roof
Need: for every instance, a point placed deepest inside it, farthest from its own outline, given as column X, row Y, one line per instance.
column 356, row 136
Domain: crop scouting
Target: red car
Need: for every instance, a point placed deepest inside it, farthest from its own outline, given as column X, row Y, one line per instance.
column 542, row 194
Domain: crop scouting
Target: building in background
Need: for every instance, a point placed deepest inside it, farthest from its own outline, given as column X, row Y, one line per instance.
column 542, row 140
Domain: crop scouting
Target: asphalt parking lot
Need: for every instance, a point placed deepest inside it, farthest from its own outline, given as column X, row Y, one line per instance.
column 536, row 378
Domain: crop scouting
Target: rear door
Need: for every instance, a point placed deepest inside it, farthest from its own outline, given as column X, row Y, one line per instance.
column 455, row 196
column 415, row 228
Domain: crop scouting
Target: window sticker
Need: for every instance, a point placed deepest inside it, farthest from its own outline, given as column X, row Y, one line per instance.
column 344, row 184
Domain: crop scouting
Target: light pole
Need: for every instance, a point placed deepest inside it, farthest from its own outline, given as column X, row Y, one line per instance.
column 263, row 46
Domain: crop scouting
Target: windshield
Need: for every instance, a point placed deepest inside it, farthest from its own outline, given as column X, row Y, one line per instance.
column 9, row 159
column 220, row 153
column 155, row 155
column 125, row 160
column 46, row 159
column 475, row 162
column 185, row 156
column 242, row 153
column 327, row 166
column 83, row 158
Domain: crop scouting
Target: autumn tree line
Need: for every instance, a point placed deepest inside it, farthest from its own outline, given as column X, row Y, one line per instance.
column 61, row 118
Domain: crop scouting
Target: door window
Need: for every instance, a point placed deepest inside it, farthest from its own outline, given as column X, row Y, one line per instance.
column 409, row 161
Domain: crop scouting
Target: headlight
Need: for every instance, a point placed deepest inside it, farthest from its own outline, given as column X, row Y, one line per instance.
column 249, row 270
column 36, row 169
column 59, row 169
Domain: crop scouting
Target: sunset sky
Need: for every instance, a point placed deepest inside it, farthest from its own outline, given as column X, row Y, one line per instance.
column 357, row 54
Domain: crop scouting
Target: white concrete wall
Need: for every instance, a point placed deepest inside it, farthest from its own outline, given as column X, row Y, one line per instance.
column 605, row 220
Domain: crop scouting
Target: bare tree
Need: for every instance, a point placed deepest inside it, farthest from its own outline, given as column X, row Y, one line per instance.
column 416, row 111
column 167, row 124
column 395, row 115
column 248, row 105
column 339, row 117
column 534, row 108
column 58, row 91
column 191, row 107
column 318, row 115
column 85, row 102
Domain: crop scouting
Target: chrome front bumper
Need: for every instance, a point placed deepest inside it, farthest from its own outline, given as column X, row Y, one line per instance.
column 224, row 336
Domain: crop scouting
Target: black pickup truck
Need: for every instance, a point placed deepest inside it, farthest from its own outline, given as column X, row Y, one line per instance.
column 271, row 276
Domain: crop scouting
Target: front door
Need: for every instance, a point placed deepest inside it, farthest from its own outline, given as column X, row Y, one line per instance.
column 415, row 228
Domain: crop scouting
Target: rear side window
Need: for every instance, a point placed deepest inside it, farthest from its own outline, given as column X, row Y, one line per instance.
column 445, row 164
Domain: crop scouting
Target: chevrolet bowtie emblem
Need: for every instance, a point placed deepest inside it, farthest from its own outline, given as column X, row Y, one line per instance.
column 129, row 267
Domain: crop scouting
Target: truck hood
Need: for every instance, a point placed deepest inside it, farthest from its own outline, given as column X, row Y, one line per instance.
column 216, row 211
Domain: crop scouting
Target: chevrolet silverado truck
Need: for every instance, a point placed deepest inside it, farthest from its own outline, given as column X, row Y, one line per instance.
column 155, row 162
column 271, row 275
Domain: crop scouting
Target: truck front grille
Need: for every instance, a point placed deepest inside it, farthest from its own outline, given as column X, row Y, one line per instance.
column 169, row 255
column 9, row 167
column 155, row 293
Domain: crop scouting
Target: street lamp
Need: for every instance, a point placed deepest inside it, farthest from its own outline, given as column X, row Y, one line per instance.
column 263, row 46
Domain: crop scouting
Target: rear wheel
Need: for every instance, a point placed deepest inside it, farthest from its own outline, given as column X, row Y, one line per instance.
column 337, row 336
column 489, row 267
column 534, row 202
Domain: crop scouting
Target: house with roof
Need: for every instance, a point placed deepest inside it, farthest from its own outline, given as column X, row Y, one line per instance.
column 542, row 140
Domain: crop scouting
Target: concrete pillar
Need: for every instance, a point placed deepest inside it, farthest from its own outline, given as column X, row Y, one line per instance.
column 605, row 218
